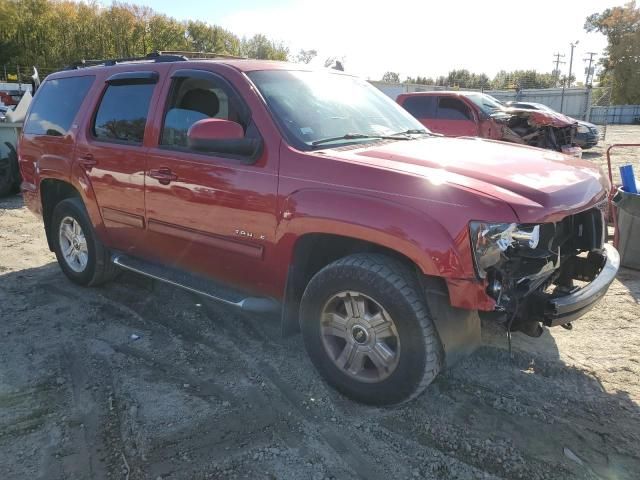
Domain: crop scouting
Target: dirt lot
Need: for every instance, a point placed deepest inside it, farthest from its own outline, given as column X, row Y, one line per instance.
column 208, row 393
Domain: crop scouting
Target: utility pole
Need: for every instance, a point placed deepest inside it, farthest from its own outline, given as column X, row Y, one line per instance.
column 589, row 76
column 556, row 70
column 573, row 45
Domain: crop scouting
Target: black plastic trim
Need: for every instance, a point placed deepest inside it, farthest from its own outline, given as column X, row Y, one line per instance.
column 134, row 78
column 570, row 307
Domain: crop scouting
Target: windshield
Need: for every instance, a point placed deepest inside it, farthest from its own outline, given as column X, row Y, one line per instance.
column 330, row 109
column 485, row 102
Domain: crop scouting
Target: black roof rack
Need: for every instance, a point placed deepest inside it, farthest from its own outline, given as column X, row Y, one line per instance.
column 154, row 57
column 197, row 55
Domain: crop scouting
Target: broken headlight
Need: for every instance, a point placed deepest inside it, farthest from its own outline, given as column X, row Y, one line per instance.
column 490, row 240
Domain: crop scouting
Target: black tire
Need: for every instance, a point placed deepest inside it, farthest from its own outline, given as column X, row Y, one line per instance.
column 99, row 268
column 394, row 286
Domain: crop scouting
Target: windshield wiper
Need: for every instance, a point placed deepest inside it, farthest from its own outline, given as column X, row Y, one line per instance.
column 355, row 136
column 411, row 131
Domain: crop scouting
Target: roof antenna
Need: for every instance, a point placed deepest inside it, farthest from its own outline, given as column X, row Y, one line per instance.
column 35, row 81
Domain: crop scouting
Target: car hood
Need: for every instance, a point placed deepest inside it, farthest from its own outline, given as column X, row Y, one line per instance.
column 539, row 185
column 586, row 124
column 542, row 118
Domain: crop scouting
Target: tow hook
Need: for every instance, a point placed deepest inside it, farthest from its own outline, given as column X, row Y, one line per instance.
column 567, row 326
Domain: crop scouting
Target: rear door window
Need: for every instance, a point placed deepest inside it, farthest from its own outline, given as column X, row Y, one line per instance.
column 122, row 114
column 56, row 105
column 453, row 109
column 421, row 106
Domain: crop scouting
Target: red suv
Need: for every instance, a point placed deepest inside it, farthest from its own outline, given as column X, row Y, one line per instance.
column 270, row 187
column 477, row 114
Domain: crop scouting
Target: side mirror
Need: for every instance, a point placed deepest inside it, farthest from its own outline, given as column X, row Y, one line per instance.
column 215, row 135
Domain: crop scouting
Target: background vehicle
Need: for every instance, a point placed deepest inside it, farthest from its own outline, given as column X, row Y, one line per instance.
column 310, row 193
column 587, row 134
column 3, row 112
column 455, row 114
column 10, row 97
column 9, row 170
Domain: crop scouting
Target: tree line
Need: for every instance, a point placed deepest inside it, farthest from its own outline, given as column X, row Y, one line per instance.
column 620, row 66
column 465, row 79
column 52, row 34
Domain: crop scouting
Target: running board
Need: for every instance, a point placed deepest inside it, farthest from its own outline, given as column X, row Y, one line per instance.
column 196, row 284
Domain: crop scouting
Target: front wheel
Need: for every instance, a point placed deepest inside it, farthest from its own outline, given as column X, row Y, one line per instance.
column 366, row 327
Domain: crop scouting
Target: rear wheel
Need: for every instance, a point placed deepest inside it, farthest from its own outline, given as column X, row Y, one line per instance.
column 81, row 255
column 366, row 327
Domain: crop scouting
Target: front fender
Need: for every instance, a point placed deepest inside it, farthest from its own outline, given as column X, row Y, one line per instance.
column 398, row 227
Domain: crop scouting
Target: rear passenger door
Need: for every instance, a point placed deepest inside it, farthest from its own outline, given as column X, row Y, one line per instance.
column 110, row 150
column 455, row 118
column 423, row 108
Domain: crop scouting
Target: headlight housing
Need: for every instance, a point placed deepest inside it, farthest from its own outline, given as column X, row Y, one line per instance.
column 583, row 129
column 490, row 240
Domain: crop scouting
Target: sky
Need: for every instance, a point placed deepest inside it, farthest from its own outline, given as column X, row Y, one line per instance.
column 412, row 37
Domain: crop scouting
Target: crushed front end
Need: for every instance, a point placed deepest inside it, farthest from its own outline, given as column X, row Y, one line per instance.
column 548, row 273
column 539, row 129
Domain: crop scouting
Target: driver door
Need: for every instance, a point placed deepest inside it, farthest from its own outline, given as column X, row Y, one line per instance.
column 207, row 212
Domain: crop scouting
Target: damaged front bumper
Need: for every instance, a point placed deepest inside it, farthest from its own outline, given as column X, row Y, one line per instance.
column 549, row 274
column 553, row 310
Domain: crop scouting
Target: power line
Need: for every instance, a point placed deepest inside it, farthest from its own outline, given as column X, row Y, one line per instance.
column 557, row 61
column 589, row 72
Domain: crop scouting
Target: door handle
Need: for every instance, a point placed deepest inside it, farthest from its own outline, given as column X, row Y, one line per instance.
column 87, row 161
column 163, row 175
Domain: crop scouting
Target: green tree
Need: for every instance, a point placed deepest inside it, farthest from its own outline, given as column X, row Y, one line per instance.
column 259, row 46
column 420, row 80
column 621, row 64
column 391, row 77
column 53, row 33
column 305, row 56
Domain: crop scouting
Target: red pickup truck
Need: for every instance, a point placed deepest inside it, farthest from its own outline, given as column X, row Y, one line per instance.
column 476, row 114
column 270, row 187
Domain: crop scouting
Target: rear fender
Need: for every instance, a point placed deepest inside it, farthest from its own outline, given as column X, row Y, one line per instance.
column 77, row 177
column 81, row 182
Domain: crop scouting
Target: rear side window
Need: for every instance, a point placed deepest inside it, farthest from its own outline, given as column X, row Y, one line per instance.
column 453, row 109
column 56, row 105
column 122, row 114
column 421, row 106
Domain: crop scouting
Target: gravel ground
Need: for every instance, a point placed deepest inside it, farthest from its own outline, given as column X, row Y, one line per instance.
column 138, row 380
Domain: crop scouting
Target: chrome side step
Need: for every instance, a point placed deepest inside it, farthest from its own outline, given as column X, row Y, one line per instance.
column 196, row 284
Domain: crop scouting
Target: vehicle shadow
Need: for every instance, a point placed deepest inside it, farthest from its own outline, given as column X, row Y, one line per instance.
column 12, row 202
column 557, row 415
column 591, row 154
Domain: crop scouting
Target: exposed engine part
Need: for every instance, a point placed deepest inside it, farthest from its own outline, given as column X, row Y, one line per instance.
column 538, row 129
column 526, row 275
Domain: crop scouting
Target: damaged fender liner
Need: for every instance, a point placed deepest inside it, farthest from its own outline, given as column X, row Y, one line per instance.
column 560, row 310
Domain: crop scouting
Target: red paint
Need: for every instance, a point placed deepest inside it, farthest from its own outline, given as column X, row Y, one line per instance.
column 215, row 128
column 481, row 125
column 239, row 222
